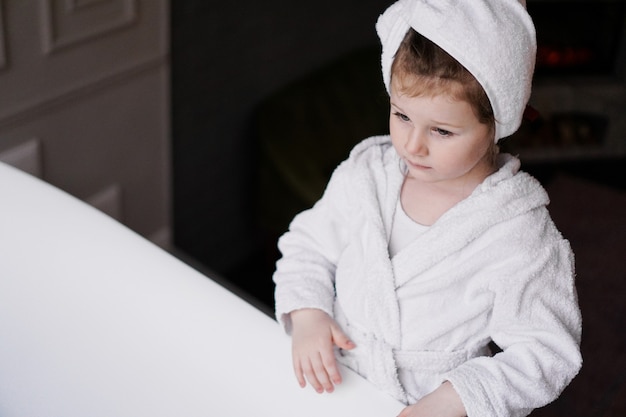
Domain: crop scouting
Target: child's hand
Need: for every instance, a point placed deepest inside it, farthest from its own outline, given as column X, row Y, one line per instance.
column 314, row 335
column 442, row 402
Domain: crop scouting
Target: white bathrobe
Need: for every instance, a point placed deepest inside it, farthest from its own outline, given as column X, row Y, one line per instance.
column 492, row 268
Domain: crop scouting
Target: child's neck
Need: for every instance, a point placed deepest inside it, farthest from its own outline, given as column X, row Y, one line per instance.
column 426, row 202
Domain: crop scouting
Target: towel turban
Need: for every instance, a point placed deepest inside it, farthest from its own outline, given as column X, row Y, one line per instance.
column 493, row 39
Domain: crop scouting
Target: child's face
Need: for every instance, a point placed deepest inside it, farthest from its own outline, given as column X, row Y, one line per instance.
column 440, row 139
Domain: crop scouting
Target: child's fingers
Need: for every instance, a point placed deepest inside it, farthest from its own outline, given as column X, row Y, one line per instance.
column 297, row 369
column 321, row 372
column 317, row 376
column 305, row 372
column 330, row 365
column 341, row 339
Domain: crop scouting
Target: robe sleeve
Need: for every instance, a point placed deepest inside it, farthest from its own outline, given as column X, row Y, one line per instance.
column 305, row 274
column 536, row 322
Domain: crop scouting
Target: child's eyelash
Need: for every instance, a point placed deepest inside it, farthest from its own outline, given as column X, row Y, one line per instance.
column 401, row 116
column 442, row 132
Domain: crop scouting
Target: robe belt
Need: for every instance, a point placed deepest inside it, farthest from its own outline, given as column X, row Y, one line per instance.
column 436, row 361
column 381, row 362
column 413, row 360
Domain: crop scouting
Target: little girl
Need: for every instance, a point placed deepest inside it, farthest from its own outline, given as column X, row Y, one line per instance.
column 427, row 246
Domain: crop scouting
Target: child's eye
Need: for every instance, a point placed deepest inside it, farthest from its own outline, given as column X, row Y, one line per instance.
column 402, row 117
column 442, row 132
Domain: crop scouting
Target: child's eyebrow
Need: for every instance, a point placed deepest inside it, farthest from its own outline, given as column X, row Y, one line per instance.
column 447, row 124
column 395, row 105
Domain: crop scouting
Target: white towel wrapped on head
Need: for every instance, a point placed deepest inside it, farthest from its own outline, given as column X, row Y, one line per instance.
column 493, row 39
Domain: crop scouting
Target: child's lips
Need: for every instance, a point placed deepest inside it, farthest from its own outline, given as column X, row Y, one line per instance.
column 416, row 165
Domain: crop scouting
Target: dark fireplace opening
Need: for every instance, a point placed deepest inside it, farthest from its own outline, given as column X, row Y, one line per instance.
column 579, row 38
column 581, row 63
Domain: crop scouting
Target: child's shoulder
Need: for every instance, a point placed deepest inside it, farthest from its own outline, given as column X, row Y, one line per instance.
column 371, row 144
column 374, row 148
column 370, row 165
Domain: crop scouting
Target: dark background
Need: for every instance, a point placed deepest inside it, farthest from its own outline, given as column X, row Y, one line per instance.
column 226, row 58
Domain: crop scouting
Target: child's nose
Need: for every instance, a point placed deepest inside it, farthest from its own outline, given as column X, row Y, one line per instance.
column 416, row 144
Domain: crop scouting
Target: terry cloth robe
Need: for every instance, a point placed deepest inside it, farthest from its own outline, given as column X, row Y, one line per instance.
column 492, row 268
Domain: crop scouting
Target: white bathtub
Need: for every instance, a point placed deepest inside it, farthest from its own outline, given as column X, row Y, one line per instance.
column 97, row 321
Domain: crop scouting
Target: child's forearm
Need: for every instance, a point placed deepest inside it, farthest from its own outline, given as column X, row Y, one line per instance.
column 442, row 402
column 452, row 399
